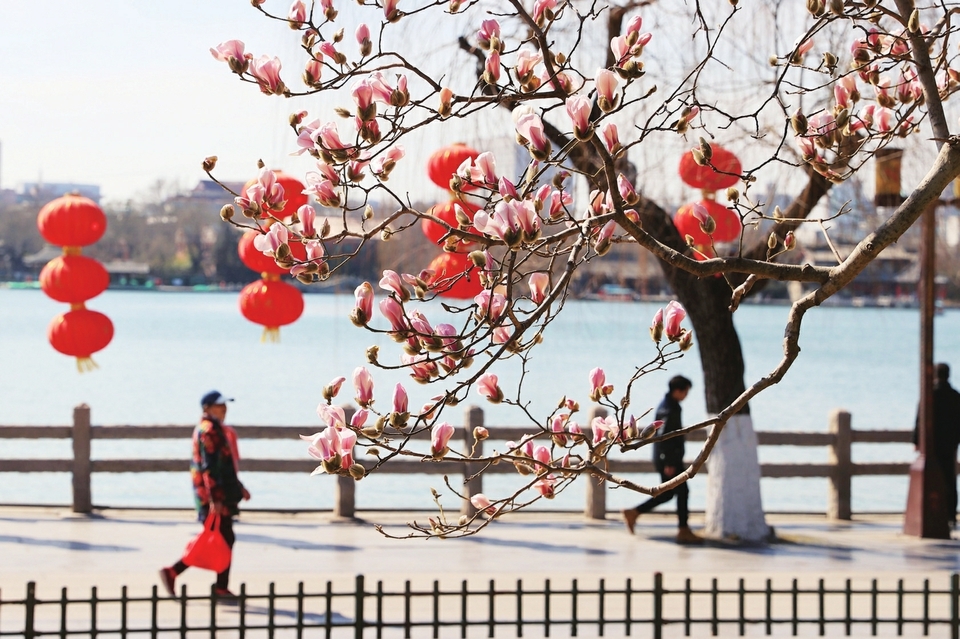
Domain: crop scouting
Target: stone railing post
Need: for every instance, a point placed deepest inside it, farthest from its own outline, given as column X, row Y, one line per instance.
column 82, row 499
column 838, row 455
column 596, row 506
column 473, row 417
column 344, row 493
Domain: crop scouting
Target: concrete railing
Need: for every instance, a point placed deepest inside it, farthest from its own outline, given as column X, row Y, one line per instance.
column 839, row 468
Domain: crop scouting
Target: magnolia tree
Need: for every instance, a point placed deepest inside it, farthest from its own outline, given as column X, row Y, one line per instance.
column 858, row 75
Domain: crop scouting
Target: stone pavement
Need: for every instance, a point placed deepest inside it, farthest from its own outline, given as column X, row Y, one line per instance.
column 112, row 548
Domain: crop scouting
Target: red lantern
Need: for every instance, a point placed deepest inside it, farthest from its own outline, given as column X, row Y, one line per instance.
column 447, row 213
column 71, row 220
column 443, row 164
column 450, row 265
column 80, row 333
column 707, row 177
column 257, row 261
column 272, row 304
column 73, row 278
column 728, row 223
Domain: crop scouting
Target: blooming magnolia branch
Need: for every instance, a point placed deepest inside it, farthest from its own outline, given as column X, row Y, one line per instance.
column 526, row 233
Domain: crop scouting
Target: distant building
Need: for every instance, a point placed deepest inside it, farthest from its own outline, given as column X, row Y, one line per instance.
column 43, row 192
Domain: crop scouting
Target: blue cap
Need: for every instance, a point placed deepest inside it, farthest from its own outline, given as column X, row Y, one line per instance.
column 214, row 398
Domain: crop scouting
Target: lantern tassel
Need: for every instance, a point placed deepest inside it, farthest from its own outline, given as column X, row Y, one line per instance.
column 270, row 334
column 86, row 365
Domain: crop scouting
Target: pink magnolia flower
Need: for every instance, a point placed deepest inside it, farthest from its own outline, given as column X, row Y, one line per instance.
column 606, row 82
column 362, row 35
column 390, row 11
column 578, row 110
column 347, row 441
column 507, row 189
column 542, row 455
column 603, row 428
column 362, row 94
column 530, row 127
column 400, row 401
column 611, row 138
column 233, row 54
column 392, row 310
column 488, row 387
column 598, row 384
column 392, row 282
column 333, row 388
column 482, row 503
column 297, row 14
column 672, row 317
column 543, row 10
column 440, row 436
column 621, row 50
column 251, row 199
column 446, row 102
column 266, row 71
column 359, row 419
column 324, row 445
column 539, row 285
column 526, row 63
column 557, row 429
column 328, row 137
column 324, row 190
column 656, row 326
column 627, row 192
column 314, row 253
column 634, row 25
column 490, row 305
column 707, row 224
column 269, row 242
column 489, row 29
column 386, row 161
column 650, row 429
column 487, row 165
column 803, row 47
column 332, row 416
column 328, row 11
column 501, row 335
column 546, row 487
column 363, row 382
column 364, row 303
column 421, row 369
column 307, row 216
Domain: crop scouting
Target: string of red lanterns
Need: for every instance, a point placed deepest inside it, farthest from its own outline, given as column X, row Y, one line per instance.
column 723, row 172
column 451, row 268
column 73, row 221
column 269, row 301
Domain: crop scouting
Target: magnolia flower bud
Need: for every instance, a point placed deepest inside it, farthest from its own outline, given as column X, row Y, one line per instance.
column 226, row 213
column 836, row 7
column 698, row 157
column 789, row 241
column 480, row 433
column 733, row 195
column 689, row 240
column 799, row 122
column 913, row 24
column 479, row 259
column 686, row 341
column 706, row 149
column 357, row 471
column 373, row 353
column 772, row 241
column 210, row 163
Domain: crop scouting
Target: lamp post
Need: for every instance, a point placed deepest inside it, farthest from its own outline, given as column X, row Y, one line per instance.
column 926, row 513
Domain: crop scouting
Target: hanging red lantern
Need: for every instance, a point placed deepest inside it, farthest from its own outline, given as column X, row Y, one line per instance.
column 255, row 260
column 80, row 333
column 450, row 265
column 724, row 172
column 71, row 220
column 443, row 164
column 73, row 278
column 272, row 304
column 447, row 213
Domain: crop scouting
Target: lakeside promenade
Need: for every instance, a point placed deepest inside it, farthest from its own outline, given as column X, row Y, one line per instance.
column 115, row 548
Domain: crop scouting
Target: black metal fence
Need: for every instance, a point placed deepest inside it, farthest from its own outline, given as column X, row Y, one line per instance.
column 857, row 607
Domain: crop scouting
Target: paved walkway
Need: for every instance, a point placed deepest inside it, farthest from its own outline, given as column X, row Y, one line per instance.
column 125, row 547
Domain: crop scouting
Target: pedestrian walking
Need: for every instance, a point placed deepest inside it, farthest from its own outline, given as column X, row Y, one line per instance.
column 668, row 459
column 216, row 487
column 946, row 435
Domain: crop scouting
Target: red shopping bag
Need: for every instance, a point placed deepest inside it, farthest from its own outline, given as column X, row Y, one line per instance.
column 209, row 549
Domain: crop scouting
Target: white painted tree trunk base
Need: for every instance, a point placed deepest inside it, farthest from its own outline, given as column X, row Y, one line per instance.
column 733, row 507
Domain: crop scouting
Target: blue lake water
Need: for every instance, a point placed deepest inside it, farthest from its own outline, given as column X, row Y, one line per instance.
column 170, row 348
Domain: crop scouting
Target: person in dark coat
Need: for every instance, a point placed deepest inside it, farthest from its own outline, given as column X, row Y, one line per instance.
column 216, row 488
column 946, row 434
column 668, row 459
